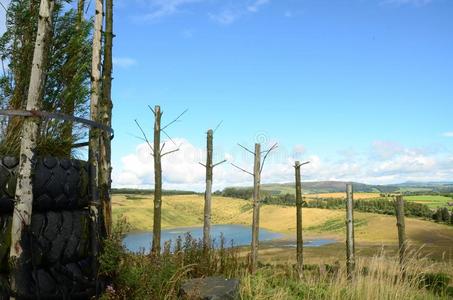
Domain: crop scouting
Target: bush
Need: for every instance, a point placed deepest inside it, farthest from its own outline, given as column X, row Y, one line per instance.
column 142, row 276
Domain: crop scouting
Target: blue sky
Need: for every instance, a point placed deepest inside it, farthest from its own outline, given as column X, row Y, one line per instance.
column 362, row 88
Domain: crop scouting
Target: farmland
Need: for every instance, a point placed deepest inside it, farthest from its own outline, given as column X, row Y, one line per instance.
column 372, row 230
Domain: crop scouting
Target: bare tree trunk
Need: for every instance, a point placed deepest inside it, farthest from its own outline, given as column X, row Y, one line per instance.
column 95, row 210
column 80, row 8
column 106, row 119
column 401, row 230
column 300, row 241
column 208, row 192
column 256, row 209
column 350, row 246
column 30, row 130
column 157, row 183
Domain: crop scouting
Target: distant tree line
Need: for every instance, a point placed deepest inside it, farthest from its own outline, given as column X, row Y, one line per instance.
column 148, row 192
column 442, row 215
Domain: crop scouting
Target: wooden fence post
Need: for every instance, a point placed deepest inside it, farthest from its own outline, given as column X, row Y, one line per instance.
column 155, row 249
column 300, row 241
column 257, row 170
column 350, row 246
column 402, row 242
column 208, row 192
column 30, row 130
column 256, row 208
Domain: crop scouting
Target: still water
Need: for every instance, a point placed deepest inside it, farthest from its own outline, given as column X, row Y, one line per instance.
column 239, row 234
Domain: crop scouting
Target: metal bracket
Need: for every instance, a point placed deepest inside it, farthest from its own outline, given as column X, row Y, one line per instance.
column 59, row 116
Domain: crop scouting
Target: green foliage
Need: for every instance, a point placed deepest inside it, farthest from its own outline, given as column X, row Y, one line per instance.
column 333, row 225
column 66, row 85
column 436, row 282
column 142, row 276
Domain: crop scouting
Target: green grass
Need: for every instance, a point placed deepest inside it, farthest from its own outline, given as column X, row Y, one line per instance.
column 432, row 201
column 336, row 225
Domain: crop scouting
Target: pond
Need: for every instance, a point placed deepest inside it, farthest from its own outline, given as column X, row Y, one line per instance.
column 240, row 235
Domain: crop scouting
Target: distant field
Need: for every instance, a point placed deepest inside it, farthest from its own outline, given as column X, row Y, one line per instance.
column 432, row 201
column 178, row 211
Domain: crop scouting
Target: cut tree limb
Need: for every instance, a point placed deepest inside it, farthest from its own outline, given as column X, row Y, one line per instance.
column 24, row 189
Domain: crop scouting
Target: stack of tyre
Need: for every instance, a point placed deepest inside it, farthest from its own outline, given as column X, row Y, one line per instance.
column 57, row 244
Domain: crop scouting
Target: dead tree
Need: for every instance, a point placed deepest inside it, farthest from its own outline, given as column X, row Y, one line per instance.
column 94, row 136
column 257, row 170
column 402, row 242
column 208, row 192
column 30, row 129
column 106, row 119
column 299, row 202
column 350, row 246
column 157, row 152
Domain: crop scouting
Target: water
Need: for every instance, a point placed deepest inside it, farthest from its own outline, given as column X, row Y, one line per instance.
column 241, row 235
column 313, row 243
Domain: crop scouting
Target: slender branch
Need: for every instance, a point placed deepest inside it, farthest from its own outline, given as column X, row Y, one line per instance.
column 162, row 148
column 300, row 165
column 169, row 138
column 202, row 164
column 169, row 152
column 219, row 163
column 246, row 149
column 145, row 138
column 272, row 148
column 218, row 126
column 265, row 156
column 152, row 109
column 1, row 3
column 175, row 120
column 242, row 169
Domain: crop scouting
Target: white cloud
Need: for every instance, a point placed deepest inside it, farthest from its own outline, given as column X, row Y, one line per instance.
column 164, row 8
column 448, row 134
column 255, row 6
column 124, row 62
column 181, row 170
column 230, row 14
column 406, row 2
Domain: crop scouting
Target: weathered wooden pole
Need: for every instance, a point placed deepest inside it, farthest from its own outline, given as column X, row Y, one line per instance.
column 300, row 241
column 106, row 119
column 402, row 242
column 208, row 192
column 30, row 129
column 94, row 136
column 350, row 246
column 155, row 249
column 256, row 209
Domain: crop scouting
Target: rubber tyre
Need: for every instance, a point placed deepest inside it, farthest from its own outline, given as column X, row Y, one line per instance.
column 58, row 184
column 5, row 241
column 60, row 237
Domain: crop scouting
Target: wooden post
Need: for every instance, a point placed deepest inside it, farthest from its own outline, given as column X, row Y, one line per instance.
column 155, row 249
column 402, row 242
column 94, row 137
column 256, row 209
column 300, row 241
column 208, row 192
column 350, row 246
column 106, row 119
column 24, row 187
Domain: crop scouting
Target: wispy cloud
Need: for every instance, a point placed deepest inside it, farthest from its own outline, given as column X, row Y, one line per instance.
column 164, row 8
column 124, row 62
column 255, row 6
column 448, row 134
column 230, row 14
column 406, row 2
column 385, row 162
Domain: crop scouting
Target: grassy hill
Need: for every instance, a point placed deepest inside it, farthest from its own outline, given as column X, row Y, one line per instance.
column 317, row 187
column 187, row 210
